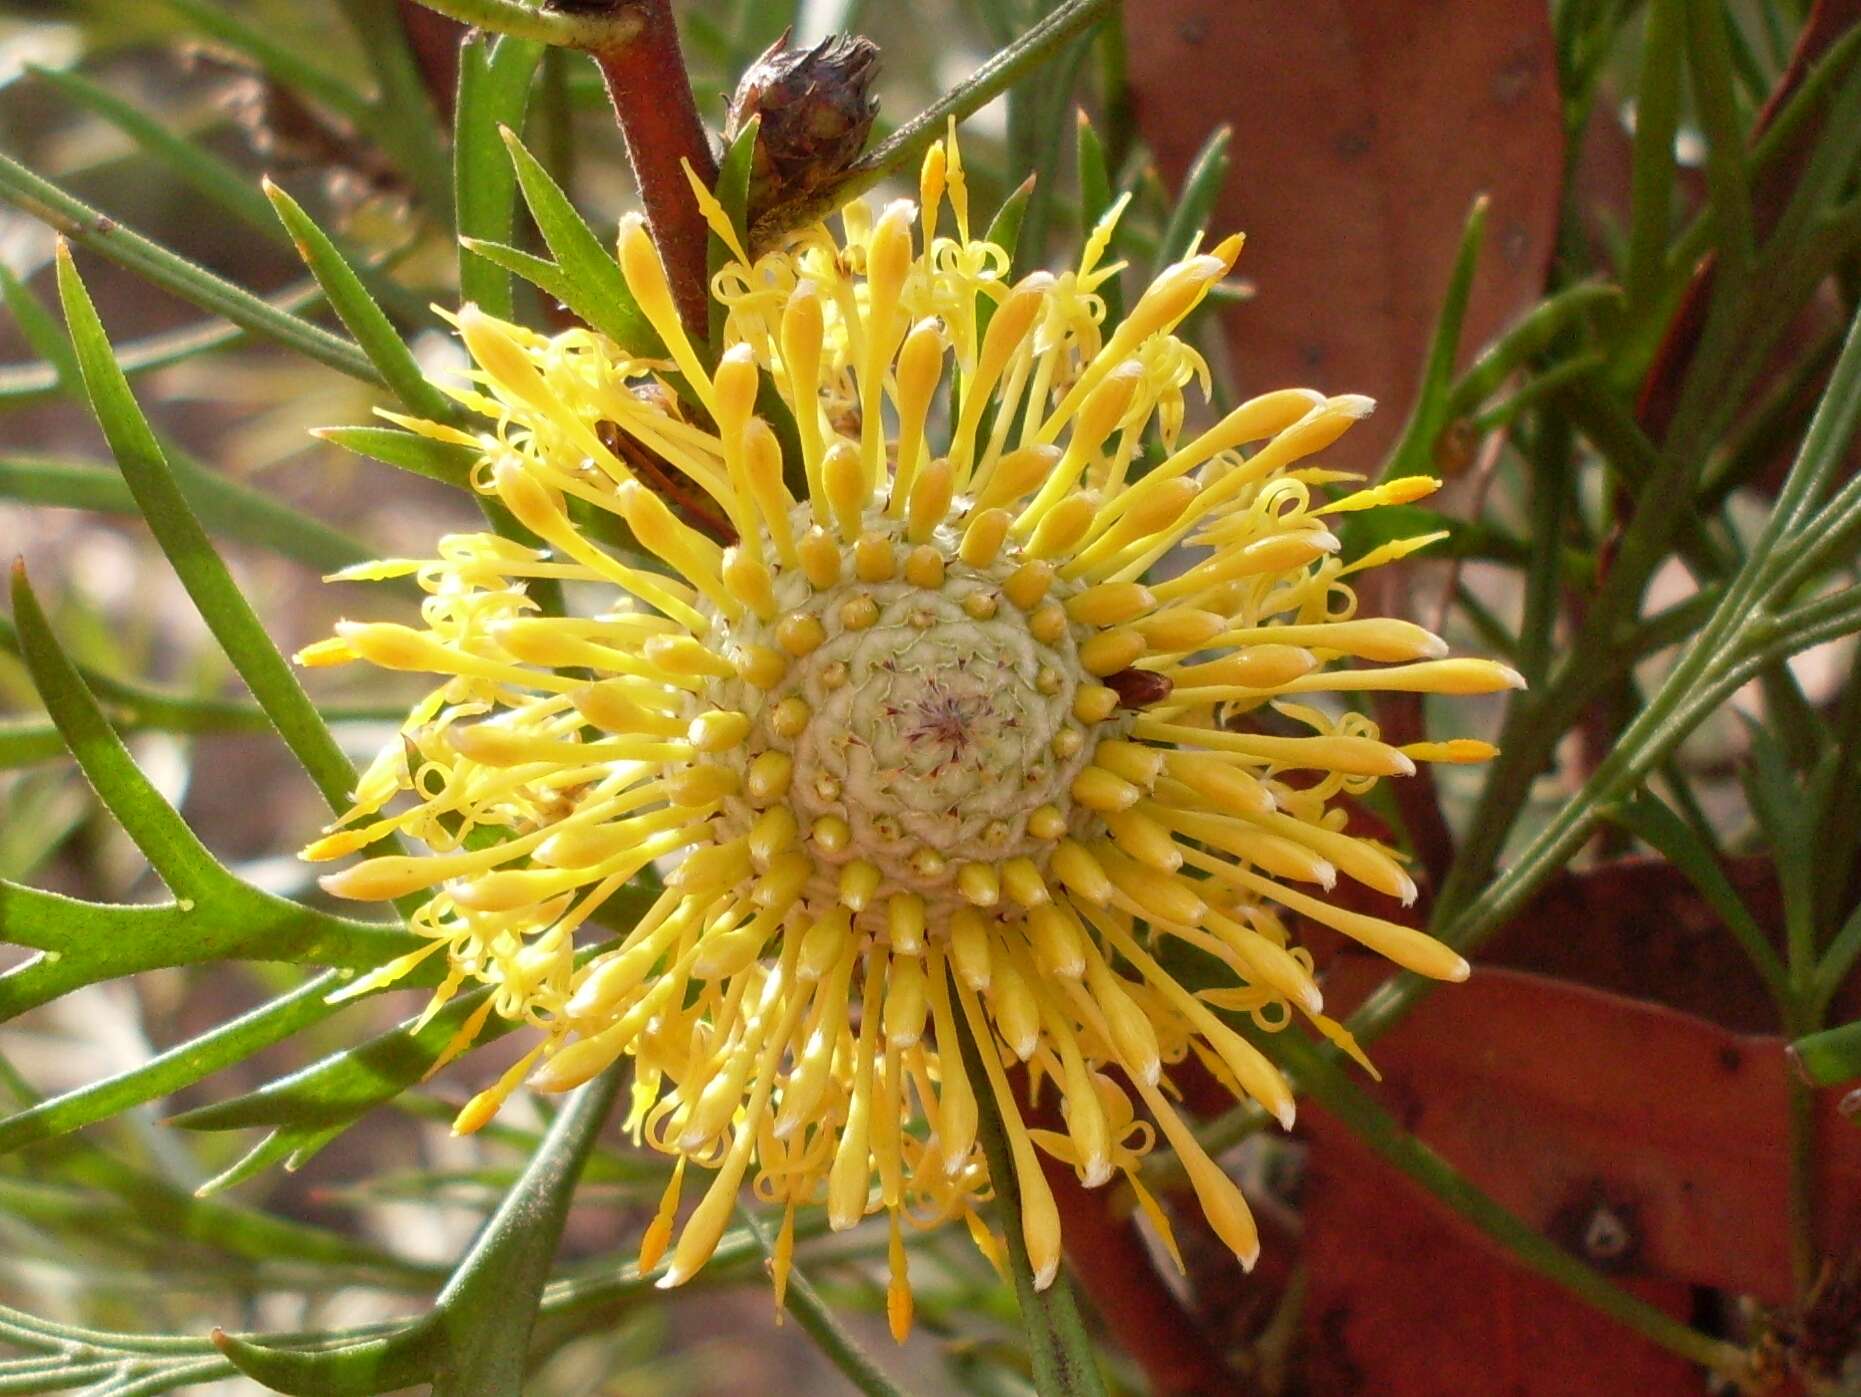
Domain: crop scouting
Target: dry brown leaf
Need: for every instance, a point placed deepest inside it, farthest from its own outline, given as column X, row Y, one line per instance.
column 1363, row 131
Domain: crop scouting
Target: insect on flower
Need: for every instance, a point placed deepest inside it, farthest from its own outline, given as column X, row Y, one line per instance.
column 934, row 751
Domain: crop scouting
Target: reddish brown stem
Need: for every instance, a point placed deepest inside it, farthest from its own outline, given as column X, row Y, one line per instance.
column 651, row 92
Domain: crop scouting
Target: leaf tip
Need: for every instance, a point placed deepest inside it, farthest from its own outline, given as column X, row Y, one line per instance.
column 1794, row 1057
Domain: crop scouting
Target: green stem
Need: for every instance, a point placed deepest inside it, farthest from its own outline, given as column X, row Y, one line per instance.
column 1802, row 1186
column 1058, row 1343
column 490, row 1306
column 135, row 705
column 1837, row 961
column 88, row 228
column 587, row 27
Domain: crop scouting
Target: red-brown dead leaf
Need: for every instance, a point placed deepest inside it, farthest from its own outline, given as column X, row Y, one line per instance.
column 1651, row 1141
column 1363, row 131
column 1402, row 1304
column 1562, row 1100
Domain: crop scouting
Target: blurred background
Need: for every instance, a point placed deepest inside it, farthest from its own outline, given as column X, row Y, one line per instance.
column 1613, row 1075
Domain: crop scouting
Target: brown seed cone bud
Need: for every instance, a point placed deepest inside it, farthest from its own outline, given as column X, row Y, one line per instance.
column 817, row 108
column 1139, row 688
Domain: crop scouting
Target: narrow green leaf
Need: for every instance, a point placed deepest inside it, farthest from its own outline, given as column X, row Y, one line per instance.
column 1201, row 186
column 540, row 272
column 1527, row 337
column 1005, row 232
column 733, row 192
column 84, row 942
column 1005, row 228
column 189, row 160
column 24, row 742
column 1728, row 178
column 495, row 78
column 408, row 125
column 476, row 1340
column 1778, row 804
column 180, row 1066
column 1837, row 960
column 225, row 507
column 222, row 605
column 600, row 292
column 179, row 859
column 436, row 460
column 40, row 329
column 141, row 705
column 85, row 226
column 1094, row 177
column 1413, row 453
column 333, row 1091
column 373, row 331
column 1830, row 1057
column 287, row 1145
column 488, row 1309
column 65, row 485
column 1554, row 381
column 1657, row 119
column 1670, row 836
column 403, row 1358
column 22, row 385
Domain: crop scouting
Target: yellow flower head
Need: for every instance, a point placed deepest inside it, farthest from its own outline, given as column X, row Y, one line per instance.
column 930, row 751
